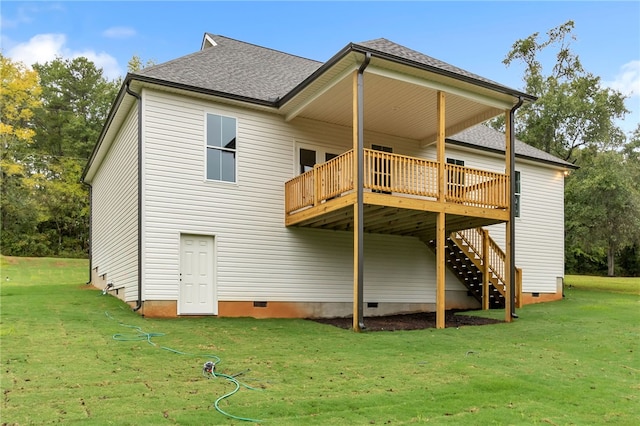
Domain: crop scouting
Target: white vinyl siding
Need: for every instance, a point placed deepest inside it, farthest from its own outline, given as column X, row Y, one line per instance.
column 539, row 234
column 114, row 211
column 257, row 257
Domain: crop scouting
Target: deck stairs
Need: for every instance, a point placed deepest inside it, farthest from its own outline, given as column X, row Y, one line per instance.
column 464, row 258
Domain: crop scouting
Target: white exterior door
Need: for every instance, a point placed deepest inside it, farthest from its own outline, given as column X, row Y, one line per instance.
column 197, row 279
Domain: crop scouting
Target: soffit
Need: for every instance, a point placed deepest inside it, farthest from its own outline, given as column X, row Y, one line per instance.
column 399, row 100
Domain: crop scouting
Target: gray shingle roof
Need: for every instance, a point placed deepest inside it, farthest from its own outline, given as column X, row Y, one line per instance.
column 484, row 137
column 236, row 68
column 249, row 71
column 385, row 46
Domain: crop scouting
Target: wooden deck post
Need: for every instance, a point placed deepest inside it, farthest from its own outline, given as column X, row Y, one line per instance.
column 316, row 186
column 441, row 220
column 485, row 269
column 518, row 288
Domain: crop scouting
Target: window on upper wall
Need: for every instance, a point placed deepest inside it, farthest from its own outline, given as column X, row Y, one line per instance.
column 221, row 148
column 517, row 195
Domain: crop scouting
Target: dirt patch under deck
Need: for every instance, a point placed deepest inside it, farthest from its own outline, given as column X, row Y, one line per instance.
column 417, row 321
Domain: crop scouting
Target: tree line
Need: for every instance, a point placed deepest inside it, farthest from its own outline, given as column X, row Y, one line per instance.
column 577, row 119
column 51, row 116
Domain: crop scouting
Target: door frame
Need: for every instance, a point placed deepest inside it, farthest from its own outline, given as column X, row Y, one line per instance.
column 213, row 271
column 321, row 152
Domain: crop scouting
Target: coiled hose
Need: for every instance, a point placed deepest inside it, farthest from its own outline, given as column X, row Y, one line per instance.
column 208, row 369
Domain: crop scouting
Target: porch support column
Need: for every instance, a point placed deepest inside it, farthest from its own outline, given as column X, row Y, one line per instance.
column 440, row 222
column 358, row 207
column 509, row 231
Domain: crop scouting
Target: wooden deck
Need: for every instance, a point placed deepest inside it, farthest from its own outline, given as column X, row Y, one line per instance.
column 400, row 196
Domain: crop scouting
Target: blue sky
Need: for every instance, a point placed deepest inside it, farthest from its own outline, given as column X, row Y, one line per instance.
column 474, row 36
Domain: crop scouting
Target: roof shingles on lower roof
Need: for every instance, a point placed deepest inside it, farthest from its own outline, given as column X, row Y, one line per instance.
column 236, row 68
column 484, row 137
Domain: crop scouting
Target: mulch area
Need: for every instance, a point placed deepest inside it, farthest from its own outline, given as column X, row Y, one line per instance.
column 417, row 321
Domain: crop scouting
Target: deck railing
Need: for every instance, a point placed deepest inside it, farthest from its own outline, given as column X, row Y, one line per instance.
column 477, row 240
column 474, row 239
column 476, row 187
column 325, row 181
column 386, row 172
column 398, row 175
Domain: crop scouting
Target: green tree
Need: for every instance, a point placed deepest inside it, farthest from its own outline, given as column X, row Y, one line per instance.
column 631, row 149
column 76, row 99
column 602, row 207
column 573, row 110
column 63, row 200
column 75, row 103
column 136, row 64
column 48, row 131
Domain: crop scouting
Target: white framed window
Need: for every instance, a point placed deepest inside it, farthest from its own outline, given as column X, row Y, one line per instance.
column 221, row 134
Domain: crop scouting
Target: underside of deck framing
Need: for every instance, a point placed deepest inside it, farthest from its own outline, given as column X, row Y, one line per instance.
column 390, row 214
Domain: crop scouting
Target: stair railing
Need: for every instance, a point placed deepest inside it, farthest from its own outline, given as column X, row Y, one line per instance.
column 490, row 259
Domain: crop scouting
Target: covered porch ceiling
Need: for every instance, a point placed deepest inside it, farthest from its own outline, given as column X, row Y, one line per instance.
column 399, row 100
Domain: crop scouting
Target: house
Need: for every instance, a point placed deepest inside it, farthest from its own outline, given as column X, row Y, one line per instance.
column 244, row 181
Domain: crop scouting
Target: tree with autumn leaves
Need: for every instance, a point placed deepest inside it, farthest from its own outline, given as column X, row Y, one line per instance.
column 20, row 96
column 50, row 118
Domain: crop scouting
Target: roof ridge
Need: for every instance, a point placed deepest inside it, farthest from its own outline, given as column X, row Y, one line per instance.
column 263, row 47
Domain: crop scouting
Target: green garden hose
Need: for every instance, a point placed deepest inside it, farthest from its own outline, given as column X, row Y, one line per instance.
column 141, row 335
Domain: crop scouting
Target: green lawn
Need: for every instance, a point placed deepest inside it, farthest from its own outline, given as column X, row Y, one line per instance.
column 613, row 284
column 573, row 362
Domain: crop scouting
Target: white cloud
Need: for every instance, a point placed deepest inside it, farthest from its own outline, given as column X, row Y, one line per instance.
column 119, row 32
column 40, row 48
column 627, row 81
column 47, row 47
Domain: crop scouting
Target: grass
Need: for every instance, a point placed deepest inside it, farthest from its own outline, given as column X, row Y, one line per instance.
column 608, row 284
column 569, row 362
